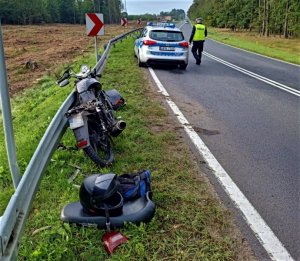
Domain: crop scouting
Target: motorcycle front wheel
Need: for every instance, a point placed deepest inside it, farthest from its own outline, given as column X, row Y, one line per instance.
column 100, row 149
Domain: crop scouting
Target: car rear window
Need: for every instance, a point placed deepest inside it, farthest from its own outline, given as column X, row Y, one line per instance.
column 166, row 36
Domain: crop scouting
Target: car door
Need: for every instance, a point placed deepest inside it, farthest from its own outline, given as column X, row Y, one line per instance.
column 139, row 41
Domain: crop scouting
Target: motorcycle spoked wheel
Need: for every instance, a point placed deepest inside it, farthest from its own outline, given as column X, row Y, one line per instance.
column 100, row 149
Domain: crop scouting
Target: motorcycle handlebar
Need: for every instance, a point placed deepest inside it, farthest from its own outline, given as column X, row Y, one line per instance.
column 68, row 73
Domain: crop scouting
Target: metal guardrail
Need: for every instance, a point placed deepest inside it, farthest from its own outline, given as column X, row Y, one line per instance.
column 13, row 220
column 6, row 113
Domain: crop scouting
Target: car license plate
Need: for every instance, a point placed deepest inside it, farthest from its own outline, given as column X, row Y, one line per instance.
column 166, row 48
column 76, row 121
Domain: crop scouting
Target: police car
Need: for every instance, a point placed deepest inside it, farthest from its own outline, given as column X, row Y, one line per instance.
column 161, row 43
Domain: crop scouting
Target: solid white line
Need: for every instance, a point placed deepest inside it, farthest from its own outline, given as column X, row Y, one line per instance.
column 254, row 75
column 181, row 26
column 254, row 52
column 263, row 232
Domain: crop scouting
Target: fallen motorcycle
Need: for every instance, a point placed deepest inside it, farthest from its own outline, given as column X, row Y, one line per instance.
column 92, row 118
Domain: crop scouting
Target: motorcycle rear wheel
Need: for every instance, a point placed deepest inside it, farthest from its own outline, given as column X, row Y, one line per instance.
column 99, row 152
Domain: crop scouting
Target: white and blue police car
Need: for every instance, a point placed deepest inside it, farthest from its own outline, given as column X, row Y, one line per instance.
column 161, row 43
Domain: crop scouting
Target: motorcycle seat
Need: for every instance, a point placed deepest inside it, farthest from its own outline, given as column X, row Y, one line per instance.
column 135, row 211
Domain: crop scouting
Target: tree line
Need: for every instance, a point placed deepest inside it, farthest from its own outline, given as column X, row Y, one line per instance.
column 176, row 14
column 267, row 17
column 57, row 11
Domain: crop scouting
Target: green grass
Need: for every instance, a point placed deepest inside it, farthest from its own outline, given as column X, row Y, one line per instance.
column 189, row 223
column 284, row 49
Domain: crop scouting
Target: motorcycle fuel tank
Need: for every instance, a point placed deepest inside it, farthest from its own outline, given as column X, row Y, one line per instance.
column 86, row 84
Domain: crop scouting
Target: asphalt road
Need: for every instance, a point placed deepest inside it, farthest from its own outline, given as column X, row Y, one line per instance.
column 251, row 127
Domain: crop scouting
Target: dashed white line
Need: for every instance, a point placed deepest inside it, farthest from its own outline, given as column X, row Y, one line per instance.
column 263, row 232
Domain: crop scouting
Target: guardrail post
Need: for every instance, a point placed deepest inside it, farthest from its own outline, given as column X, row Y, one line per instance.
column 7, row 119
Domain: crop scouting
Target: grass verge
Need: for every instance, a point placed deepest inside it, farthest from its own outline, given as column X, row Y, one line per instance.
column 189, row 223
column 284, row 49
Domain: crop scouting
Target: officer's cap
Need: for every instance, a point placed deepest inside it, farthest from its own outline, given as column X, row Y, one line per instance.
column 199, row 20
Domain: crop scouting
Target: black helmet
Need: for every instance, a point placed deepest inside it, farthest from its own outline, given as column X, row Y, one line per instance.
column 98, row 194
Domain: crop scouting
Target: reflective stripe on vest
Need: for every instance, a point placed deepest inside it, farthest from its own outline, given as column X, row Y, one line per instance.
column 199, row 32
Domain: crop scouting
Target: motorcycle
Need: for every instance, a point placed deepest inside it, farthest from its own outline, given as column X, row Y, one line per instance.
column 92, row 118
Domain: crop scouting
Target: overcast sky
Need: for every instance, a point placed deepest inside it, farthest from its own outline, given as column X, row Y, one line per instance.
column 155, row 6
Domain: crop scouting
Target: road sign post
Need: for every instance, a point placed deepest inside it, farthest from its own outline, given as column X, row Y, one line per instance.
column 94, row 27
column 96, row 49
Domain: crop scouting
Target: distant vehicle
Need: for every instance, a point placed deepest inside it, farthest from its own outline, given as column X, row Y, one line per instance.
column 186, row 21
column 162, row 43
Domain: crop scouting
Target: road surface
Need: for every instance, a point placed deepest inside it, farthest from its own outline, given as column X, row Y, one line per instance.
column 246, row 108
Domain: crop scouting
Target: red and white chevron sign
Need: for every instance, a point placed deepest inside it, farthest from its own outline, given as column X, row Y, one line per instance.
column 124, row 21
column 94, row 24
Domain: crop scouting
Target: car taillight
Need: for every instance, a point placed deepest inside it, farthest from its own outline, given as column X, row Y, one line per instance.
column 184, row 44
column 149, row 42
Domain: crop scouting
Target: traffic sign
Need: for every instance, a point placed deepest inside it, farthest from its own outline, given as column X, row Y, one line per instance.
column 94, row 24
column 124, row 21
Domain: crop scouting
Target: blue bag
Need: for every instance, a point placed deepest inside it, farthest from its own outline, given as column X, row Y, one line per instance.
column 133, row 186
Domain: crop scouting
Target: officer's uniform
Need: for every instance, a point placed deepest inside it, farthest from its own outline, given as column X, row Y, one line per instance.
column 198, row 35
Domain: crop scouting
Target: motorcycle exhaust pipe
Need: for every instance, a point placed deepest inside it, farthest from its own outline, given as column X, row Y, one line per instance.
column 117, row 128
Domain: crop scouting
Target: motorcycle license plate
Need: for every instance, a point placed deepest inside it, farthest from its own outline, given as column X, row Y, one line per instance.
column 76, row 121
column 166, row 48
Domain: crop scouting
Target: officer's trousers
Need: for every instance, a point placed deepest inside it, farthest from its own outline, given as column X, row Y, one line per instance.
column 197, row 50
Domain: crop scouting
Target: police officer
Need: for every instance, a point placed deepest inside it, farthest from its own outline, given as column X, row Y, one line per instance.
column 198, row 35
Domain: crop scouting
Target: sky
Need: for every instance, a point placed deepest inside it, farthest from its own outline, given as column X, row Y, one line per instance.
column 155, row 6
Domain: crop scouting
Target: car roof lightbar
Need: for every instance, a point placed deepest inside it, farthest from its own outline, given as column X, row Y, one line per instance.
column 170, row 25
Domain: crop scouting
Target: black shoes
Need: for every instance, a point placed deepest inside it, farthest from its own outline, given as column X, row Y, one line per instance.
column 198, row 62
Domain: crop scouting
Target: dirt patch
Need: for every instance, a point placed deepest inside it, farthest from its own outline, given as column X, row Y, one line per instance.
column 33, row 51
column 205, row 131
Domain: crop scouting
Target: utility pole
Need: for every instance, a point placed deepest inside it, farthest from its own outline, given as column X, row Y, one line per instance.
column 94, row 4
column 108, row 5
column 74, row 14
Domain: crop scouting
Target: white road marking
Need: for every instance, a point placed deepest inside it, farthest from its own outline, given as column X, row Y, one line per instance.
column 244, row 50
column 263, row 232
column 254, row 75
column 253, row 52
column 181, row 26
column 257, row 76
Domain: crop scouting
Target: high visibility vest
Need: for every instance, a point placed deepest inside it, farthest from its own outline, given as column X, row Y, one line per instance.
column 199, row 32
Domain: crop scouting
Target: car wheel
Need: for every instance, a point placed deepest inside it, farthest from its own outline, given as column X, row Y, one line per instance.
column 183, row 66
